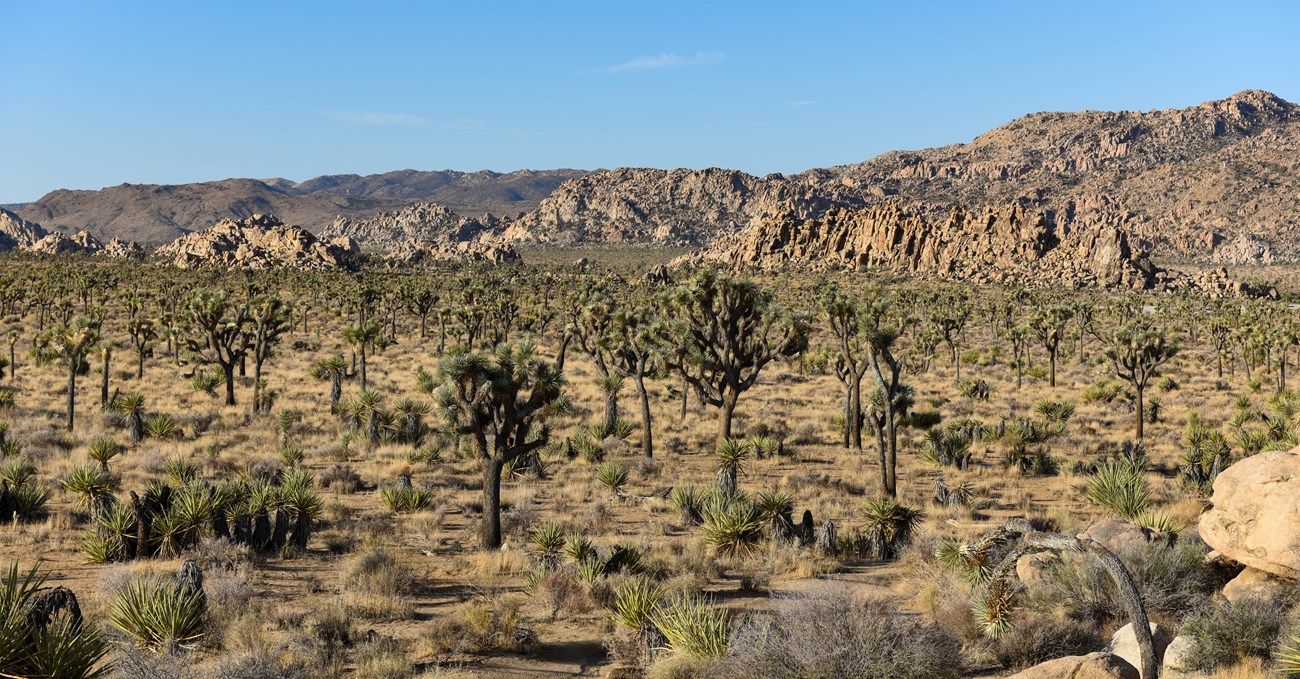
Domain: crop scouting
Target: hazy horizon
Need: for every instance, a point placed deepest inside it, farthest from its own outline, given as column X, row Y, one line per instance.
column 161, row 94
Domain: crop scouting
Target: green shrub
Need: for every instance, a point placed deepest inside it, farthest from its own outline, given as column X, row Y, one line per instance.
column 1122, row 487
column 158, row 614
column 1039, row 638
column 404, row 499
column 732, row 525
column 613, row 475
column 1225, row 633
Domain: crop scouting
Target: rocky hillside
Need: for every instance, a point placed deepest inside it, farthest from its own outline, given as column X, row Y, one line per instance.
column 1191, row 182
column 19, row 234
column 1219, row 181
column 258, row 242
column 431, row 223
column 668, row 207
column 1011, row 244
column 154, row 214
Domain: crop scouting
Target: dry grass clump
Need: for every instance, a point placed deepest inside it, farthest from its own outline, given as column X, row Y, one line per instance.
column 377, row 586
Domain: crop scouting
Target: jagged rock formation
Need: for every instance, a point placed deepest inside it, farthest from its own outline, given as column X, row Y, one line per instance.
column 16, row 232
column 1244, row 249
column 259, row 242
column 19, row 234
column 431, row 223
column 1009, row 245
column 667, row 207
column 1255, row 517
column 1004, row 246
column 155, row 214
column 1174, row 177
column 465, row 251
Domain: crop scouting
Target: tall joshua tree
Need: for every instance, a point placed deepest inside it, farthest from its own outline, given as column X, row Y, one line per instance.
column 1136, row 352
column 217, row 329
column 143, row 333
column 637, row 355
column 500, row 402
column 850, row 345
column 70, row 342
column 366, row 336
column 593, row 328
column 728, row 330
column 881, row 329
column 335, row 370
column 269, row 318
column 1049, row 324
column 949, row 314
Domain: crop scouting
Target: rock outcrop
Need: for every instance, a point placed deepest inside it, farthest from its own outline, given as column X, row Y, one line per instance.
column 466, row 251
column 1255, row 518
column 18, row 233
column 259, row 242
column 59, row 244
column 422, row 222
column 1091, row 666
column 1124, row 645
column 669, row 207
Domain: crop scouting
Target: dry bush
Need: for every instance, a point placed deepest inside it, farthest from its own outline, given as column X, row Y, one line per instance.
column 836, row 635
column 1034, row 639
column 482, row 626
column 377, row 586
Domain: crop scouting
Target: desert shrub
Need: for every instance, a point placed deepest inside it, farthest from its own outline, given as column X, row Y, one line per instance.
column 614, row 476
column 405, row 499
column 134, row 663
column 497, row 624
column 732, row 525
column 341, row 478
column 263, row 662
column 377, row 585
column 158, row 614
column 1227, row 632
column 1122, row 487
column 1038, row 638
column 1172, row 579
column 61, row 647
column 837, row 635
column 693, row 626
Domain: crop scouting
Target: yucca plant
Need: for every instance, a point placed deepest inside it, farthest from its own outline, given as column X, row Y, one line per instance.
column 1287, row 658
column 775, row 508
column 547, row 542
column 32, row 646
column 590, row 571
column 131, row 408
column 994, row 610
column 102, row 450
column 17, row 470
column 733, row 526
column 732, row 456
column 635, row 603
column 180, row 470
column 613, row 475
column 403, row 499
column 292, row 456
column 162, row 427
column 30, row 499
column 764, row 446
column 284, row 421
column 971, row 564
column 159, row 614
column 1054, row 411
column 428, row 454
column 1122, row 487
column 889, row 526
column 89, row 484
column 580, row 548
column 10, row 449
column 207, row 381
column 689, row 500
column 694, row 627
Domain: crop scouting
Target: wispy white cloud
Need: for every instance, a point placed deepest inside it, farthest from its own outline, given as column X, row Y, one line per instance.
column 461, row 124
column 802, row 103
column 666, row 60
column 374, row 117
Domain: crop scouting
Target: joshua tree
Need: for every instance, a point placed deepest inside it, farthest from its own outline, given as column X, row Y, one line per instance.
column 70, row 342
column 334, row 369
column 948, row 315
column 593, row 328
column 420, row 299
column 1048, row 324
column 105, row 348
column 1136, row 351
column 12, row 337
column 217, row 334
column 727, row 330
column 499, row 401
column 892, row 398
column 365, row 336
column 143, row 333
column 851, row 345
column 131, row 407
column 269, row 318
column 638, row 355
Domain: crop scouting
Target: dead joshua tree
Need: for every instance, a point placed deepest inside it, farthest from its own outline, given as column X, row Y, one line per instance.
column 1017, row 538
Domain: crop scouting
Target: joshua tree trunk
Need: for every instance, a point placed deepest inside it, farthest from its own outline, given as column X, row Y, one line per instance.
column 729, row 399
column 72, row 391
column 647, row 434
column 854, row 420
column 229, row 372
column 490, row 531
column 1051, row 362
column 1141, row 407
column 363, row 366
column 336, row 392
column 103, row 384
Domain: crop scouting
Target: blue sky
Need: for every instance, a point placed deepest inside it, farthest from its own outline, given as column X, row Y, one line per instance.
column 100, row 93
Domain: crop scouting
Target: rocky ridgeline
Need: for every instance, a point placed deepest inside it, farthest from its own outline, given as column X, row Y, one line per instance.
column 17, row 233
column 1007, row 245
column 668, row 207
column 420, row 223
column 258, row 242
column 465, row 251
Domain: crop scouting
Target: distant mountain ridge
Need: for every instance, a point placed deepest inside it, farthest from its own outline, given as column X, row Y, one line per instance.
column 153, row 214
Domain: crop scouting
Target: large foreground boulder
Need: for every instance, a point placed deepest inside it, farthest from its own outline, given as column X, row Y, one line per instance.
column 1091, row 666
column 1255, row 519
column 1123, row 644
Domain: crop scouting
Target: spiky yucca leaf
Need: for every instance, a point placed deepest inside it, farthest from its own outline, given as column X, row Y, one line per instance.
column 732, row 526
column 613, row 475
column 635, row 602
column 694, row 627
column 157, row 614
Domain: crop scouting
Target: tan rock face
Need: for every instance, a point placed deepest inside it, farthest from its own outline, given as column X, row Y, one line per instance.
column 1123, row 645
column 16, row 232
column 423, row 222
column 1091, row 666
column 471, row 251
column 1256, row 584
column 258, row 242
column 1255, row 518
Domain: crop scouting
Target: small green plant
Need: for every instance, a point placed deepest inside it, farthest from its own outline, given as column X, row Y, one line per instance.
column 1122, row 487
column 547, row 543
column 689, row 500
column 291, row 456
column 17, row 470
column 614, row 476
column 159, row 614
column 180, row 470
column 207, row 381
column 30, row 499
column 733, row 526
column 693, row 626
column 162, row 427
column 405, row 499
column 580, row 548
column 1287, row 658
column 635, row 604
column 889, row 526
column 102, row 450
column 89, row 484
